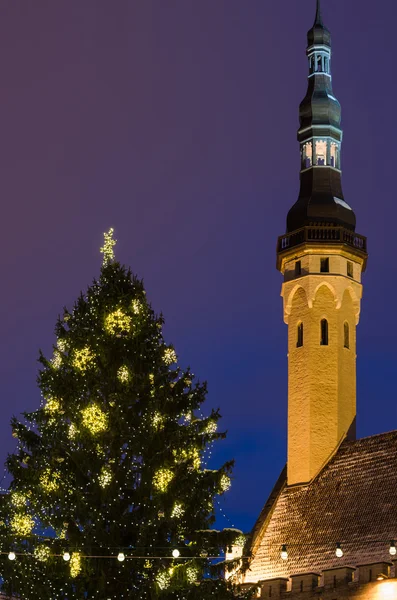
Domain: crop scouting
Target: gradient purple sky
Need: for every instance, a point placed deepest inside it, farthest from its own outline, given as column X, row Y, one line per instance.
column 175, row 122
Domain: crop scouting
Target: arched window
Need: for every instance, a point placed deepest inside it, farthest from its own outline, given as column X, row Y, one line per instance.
column 346, row 333
column 324, row 332
column 299, row 337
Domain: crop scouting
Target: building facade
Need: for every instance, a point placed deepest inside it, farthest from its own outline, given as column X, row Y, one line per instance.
column 328, row 528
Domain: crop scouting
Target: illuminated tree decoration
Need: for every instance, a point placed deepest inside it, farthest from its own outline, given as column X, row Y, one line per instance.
column 169, row 356
column 123, row 374
column 18, row 499
column 42, row 553
column 83, row 359
column 162, row 479
column 178, row 511
column 211, row 427
column 105, row 478
column 158, row 421
column 56, row 359
column 75, row 565
column 136, row 306
column 107, row 466
column 191, row 454
column 52, row 406
column 225, row 483
column 107, row 248
column 163, row 580
column 192, row 573
column 22, row 525
column 94, row 419
column 117, row 322
column 49, row 481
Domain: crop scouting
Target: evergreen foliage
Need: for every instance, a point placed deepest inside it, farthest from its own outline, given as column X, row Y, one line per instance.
column 113, row 462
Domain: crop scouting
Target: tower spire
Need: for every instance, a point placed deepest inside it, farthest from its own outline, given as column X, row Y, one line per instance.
column 318, row 20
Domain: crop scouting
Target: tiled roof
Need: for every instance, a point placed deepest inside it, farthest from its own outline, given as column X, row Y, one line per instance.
column 352, row 501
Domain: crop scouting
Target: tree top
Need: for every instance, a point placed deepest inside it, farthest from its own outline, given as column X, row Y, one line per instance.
column 107, row 248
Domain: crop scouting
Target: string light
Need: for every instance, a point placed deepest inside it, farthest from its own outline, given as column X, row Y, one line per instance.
column 118, row 322
column 339, row 551
column 83, row 359
column 94, row 419
column 75, row 565
column 284, row 552
column 162, row 479
column 107, row 248
column 169, row 356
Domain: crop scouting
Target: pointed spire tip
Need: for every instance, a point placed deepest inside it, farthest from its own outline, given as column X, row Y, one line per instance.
column 318, row 19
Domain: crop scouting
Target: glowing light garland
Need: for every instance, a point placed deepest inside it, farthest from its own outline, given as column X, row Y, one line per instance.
column 18, row 499
column 106, row 476
column 162, row 479
column 178, row 511
column 49, row 481
column 22, row 525
column 211, row 427
column 75, row 564
column 225, row 483
column 123, row 374
column 42, row 553
column 169, row 356
column 94, row 419
column 107, row 248
column 158, row 421
column 163, row 580
column 83, row 359
column 191, row 454
column 52, row 406
column 136, row 307
column 118, row 322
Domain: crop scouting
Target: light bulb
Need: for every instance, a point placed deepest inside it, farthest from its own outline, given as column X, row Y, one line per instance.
column 284, row 553
column 12, row 556
column 176, row 553
column 339, row 551
column 120, row 557
column 66, row 556
column 392, row 549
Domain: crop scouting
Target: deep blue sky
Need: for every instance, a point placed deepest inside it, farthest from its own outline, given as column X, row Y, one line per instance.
column 175, row 122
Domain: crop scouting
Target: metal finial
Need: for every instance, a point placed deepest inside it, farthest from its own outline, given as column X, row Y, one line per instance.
column 318, row 19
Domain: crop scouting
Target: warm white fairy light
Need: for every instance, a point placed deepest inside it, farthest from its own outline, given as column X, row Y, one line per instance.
column 83, row 359
column 123, row 374
column 21, row 525
column 163, row 580
column 49, row 480
column 211, row 427
column 169, row 356
column 18, row 499
column 136, row 306
column 225, row 483
column 162, row 478
column 42, row 553
column 107, row 248
column 157, row 421
column 178, row 511
column 75, row 564
column 192, row 573
column 94, row 419
column 56, row 359
column 105, row 477
column 118, row 322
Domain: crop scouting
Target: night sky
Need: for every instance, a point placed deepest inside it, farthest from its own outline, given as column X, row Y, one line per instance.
column 175, row 122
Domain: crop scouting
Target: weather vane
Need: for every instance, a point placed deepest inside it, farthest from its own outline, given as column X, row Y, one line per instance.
column 107, row 248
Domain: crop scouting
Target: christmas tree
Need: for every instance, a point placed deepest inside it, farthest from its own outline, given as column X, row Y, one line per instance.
column 110, row 497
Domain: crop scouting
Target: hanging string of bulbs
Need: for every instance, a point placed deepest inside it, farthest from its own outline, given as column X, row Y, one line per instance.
column 339, row 550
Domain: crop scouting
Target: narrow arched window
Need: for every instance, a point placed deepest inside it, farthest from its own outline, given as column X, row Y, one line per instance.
column 324, row 332
column 346, row 333
column 299, row 337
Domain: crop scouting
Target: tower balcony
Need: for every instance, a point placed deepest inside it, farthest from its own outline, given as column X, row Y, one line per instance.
column 319, row 235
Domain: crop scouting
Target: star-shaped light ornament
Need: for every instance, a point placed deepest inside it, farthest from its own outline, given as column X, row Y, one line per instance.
column 107, row 248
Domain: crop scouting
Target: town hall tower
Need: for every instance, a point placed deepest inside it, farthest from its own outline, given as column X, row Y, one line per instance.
column 322, row 259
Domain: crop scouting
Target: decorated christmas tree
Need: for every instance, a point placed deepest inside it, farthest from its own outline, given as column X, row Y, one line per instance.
column 110, row 497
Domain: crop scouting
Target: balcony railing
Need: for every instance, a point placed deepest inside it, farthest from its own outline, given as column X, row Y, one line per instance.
column 329, row 235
